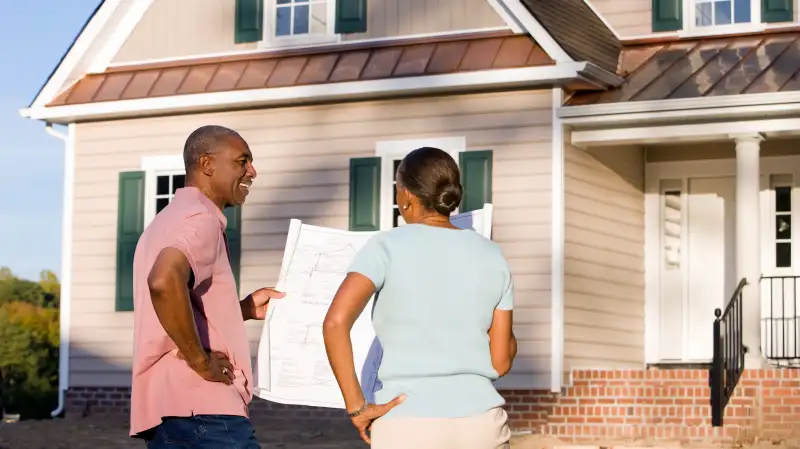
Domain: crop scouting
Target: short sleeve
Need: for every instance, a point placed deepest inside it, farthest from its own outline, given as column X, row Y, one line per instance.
column 507, row 296
column 372, row 261
column 197, row 237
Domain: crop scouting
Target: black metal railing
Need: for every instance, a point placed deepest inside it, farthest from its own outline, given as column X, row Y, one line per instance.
column 780, row 318
column 727, row 365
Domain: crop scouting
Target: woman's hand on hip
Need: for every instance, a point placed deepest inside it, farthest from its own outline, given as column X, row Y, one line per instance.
column 372, row 412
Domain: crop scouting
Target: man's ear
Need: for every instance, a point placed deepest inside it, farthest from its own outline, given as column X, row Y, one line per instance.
column 206, row 163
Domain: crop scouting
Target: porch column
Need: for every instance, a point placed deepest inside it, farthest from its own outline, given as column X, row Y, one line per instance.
column 748, row 241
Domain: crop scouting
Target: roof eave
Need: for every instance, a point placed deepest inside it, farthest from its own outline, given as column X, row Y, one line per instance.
column 487, row 80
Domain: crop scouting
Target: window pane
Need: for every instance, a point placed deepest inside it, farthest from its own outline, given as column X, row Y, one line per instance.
column 301, row 19
column 162, row 185
column 283, row 21
column 741, row 11
column 722, row 13
column 783, row 199
column 783, row 227
column 703, row 15
column 396, row 165
column 161, row 203
column 319, row 18
column 783, row 255
column 394, row 194
column 283, row 2
column 178, row 182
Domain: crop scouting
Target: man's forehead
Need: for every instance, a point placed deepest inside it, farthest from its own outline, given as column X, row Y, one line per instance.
column 236, row 145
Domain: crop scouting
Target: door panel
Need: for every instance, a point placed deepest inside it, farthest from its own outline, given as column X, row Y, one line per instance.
column 711, row 237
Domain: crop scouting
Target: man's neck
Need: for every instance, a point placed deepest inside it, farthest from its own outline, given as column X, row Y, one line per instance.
column 205, row 190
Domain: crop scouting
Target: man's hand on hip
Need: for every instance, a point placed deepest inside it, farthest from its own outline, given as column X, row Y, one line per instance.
column 216, row 368
column 254, row 306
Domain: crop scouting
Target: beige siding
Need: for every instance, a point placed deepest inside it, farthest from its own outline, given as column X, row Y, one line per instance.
column 604, row 259
column 627, row 17
column 180, row 28
column 302, row 157
column 390, row 18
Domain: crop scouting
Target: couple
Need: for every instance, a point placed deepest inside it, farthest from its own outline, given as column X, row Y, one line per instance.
column 443, row 314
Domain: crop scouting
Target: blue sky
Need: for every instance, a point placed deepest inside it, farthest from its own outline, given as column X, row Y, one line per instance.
column 33, row 37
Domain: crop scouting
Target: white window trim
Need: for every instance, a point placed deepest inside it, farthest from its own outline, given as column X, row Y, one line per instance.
column 270, row 40
column 154, row 166
column 391, row 150
column 690, row 29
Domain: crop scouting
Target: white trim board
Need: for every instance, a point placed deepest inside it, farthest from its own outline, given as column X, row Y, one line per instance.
column 83, row 45
column 557, row 250
column 372, row 89
column 120, row 33
column 682, row 109
column 700, row 132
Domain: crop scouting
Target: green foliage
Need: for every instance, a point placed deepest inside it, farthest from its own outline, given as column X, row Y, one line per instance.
column 29, row 340
column 45, row 293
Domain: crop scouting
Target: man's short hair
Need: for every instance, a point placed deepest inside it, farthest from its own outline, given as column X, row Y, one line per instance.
column 204, row 140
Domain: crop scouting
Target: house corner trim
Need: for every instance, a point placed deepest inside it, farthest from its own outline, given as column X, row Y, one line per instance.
column 557, row 246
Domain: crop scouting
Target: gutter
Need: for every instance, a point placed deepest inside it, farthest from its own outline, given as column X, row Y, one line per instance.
column 66, row 263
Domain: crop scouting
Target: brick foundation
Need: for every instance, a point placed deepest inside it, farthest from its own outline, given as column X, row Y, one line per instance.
column 652, row 405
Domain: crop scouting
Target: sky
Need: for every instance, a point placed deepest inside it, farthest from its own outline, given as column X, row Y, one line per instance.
column 33, row 37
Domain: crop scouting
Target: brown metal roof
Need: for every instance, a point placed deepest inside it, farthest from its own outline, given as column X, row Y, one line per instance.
column 578, row 30
column 292, row 68
column 730, row 65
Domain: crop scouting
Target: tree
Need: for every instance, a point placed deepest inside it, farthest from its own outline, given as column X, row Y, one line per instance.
column 29, row 341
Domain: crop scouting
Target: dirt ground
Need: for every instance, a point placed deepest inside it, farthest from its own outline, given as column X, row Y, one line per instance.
column 95, row 433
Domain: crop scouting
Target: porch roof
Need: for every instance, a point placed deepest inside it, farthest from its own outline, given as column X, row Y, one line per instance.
column 352, row 62
column 704, row 67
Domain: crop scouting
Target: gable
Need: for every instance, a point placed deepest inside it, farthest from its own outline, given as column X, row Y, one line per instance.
column 192, row 28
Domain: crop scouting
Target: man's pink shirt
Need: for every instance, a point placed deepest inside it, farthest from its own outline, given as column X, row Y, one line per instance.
column 163, row 384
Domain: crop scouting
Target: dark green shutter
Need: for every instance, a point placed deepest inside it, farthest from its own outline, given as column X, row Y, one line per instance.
column 130, row 225
column 365, row 194
column 777, row 11
column 667, row 15
column 351, row 16
column 249, row 21
column 476, row 179
column 233, row 232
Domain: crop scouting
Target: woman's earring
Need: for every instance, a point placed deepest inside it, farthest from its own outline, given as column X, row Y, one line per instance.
column 405, row 207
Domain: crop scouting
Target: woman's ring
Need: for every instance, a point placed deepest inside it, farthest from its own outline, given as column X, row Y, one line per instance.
column 225, row 371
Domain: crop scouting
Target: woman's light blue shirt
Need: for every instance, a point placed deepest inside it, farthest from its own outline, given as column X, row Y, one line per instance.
column 437, row 290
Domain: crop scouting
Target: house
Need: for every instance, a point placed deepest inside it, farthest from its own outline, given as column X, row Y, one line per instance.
column 641, row 156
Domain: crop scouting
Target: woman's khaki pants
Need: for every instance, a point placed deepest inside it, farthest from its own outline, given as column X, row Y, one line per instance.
column 485, row 431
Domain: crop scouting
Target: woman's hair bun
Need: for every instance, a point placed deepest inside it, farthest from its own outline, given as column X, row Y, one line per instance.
column 447, row 198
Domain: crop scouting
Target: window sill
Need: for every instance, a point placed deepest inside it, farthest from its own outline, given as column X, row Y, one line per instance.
column 723, row 30
column 298, row 42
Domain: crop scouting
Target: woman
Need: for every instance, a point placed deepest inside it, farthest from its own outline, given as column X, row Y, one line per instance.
column 442, row 313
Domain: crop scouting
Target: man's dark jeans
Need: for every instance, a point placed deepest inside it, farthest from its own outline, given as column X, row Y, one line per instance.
column 204, row 432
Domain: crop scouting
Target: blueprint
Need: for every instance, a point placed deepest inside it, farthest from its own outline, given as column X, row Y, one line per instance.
column 292, row 364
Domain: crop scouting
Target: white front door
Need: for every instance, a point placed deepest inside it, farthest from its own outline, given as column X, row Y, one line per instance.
column 697, row 273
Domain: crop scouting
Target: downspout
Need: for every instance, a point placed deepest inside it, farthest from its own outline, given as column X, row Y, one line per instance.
column 66, row 263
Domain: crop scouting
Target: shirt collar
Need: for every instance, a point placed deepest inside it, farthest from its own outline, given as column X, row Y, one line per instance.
column 194, row 194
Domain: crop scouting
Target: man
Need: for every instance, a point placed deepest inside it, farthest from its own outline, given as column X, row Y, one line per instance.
column 192, row 379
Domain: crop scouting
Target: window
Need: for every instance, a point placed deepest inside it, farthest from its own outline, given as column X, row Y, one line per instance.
column 391, row 153
column 782, row 210
column 721, row 12
column 166, row 185
column 163, row 176
column 672, row 224
column 300, row 21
